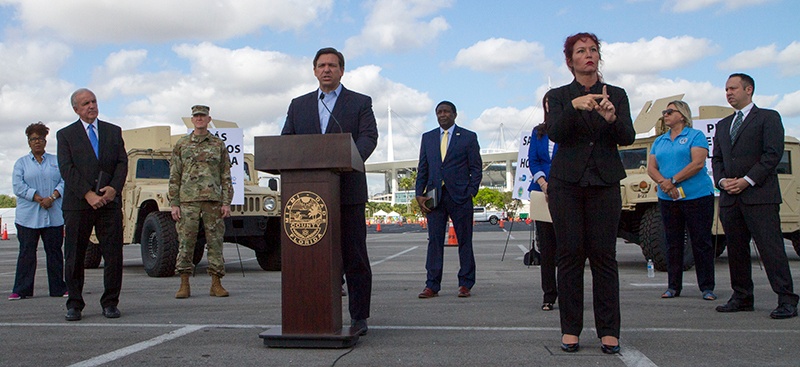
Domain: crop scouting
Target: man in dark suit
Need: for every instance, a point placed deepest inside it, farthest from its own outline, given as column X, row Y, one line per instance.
column 748, row 145
column 93, row 162
column 334, row 109
column 449, row 163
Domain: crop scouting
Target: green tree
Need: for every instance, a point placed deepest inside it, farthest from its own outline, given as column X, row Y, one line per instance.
column 489, row 197
column 7, row 201
column 408, row 183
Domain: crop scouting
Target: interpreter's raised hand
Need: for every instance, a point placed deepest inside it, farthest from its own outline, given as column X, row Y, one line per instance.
column 606, row 109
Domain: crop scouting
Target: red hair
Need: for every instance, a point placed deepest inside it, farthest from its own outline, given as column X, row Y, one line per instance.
column 569, row 46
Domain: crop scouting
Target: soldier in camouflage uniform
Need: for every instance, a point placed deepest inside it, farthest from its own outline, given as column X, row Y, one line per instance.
column 200, row 186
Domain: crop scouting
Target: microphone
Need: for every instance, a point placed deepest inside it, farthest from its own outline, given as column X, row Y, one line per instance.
column 322, row 99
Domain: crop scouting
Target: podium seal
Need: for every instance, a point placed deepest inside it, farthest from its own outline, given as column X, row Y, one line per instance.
column 305, row 218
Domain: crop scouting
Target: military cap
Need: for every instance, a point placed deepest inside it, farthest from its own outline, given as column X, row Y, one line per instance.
column 200, row 110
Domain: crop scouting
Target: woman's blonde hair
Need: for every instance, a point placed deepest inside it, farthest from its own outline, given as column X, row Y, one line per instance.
column 684, row 109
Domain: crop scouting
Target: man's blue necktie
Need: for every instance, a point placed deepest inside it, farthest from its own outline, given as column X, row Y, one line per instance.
column 93, row 140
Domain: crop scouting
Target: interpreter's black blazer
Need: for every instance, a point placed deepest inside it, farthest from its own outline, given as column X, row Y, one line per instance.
column 354, row 112
column 80, row 168
column 584, row 135
column 755, row 153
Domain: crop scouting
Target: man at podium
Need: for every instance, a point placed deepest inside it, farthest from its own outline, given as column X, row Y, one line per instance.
column 334, row 109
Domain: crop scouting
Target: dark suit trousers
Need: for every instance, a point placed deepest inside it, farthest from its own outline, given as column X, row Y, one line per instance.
column 547, row 247
column 462, row 215
column 586, row 221
column 762, row 223
column 78, row 227
column 355, row 261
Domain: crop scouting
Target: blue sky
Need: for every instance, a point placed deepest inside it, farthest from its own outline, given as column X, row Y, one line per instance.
column 148, row 61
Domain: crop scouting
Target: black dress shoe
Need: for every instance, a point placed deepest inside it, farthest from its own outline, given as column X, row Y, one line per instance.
column 111, row 312
column 735, row 305
column 73, row 314
column 784, row 311
column 359, row 326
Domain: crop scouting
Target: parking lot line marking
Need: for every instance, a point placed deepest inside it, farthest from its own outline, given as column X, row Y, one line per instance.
column 523, row 248
column 632, row 357
column 393, row 256
column 119, row 353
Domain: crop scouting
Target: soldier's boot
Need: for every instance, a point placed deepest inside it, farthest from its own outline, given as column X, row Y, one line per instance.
column 216, row 287
column 184, row 291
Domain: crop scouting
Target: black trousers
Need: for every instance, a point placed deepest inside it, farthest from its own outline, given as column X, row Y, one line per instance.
column 355, row 261
column 762, row 223
column 586, row 221
column 547, row 247
column 696, row 216
column 78, row 225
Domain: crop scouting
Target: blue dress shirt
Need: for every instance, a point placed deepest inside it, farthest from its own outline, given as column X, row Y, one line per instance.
column 31, row 177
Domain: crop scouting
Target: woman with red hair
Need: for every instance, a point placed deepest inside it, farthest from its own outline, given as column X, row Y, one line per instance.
column 588, row 119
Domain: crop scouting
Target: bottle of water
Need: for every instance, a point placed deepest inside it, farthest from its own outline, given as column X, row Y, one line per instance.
column 651, row 269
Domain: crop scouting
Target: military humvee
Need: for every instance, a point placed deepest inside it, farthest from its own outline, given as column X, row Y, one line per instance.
column 146, row 210
column 641, row 219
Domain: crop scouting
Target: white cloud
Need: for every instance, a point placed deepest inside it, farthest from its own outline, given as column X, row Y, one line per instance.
column 399, row 25
column 31, row 61
column 500, row 54
column 789, row 105
column 786, row 59
column 499, row 127
column 684, row 6
column 655, row 55
column 155, row 20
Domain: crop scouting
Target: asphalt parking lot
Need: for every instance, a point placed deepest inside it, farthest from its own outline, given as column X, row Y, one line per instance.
column 500, row 325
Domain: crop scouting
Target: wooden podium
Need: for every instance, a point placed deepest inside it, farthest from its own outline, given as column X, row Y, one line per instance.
column 311, row 278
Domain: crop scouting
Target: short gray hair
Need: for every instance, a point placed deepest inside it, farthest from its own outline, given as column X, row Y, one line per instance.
column 75, row 93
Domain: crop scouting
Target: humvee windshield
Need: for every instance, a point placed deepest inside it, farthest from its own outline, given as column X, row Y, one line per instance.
column 152, row 168
column 633, row 158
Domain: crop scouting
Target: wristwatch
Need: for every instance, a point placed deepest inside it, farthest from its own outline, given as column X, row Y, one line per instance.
column 673, row 180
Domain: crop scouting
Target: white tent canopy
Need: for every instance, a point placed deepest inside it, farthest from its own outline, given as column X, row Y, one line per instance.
column 380, row 213
column 393, row 214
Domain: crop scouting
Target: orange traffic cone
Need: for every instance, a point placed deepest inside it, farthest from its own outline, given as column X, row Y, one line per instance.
column 502, row 223
column 378, row 227
column 451, row 236
column 423, row 223
column 5, row 232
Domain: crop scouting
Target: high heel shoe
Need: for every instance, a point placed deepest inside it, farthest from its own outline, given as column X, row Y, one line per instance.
column 570, row 347
column 610, row 349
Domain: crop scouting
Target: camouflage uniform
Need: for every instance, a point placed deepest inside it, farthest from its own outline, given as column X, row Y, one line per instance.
column 200, row 184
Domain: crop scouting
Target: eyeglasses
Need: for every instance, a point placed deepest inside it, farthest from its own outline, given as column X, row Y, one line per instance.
column 34, row 140
column 668, row 112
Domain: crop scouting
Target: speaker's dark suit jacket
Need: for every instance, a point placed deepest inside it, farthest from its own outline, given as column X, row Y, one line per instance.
column 353, row 111
column 754, row 212
column 80, row 169
column 461, row 172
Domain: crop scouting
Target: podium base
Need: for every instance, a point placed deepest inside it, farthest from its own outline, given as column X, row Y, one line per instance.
column 344, row 338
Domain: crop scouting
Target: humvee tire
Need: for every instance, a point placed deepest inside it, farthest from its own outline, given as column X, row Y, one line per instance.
column 93, row 256
column 159, row 244
column 654, row 241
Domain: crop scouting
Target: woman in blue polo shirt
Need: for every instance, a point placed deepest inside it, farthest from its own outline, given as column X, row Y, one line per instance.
column 686, row 196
